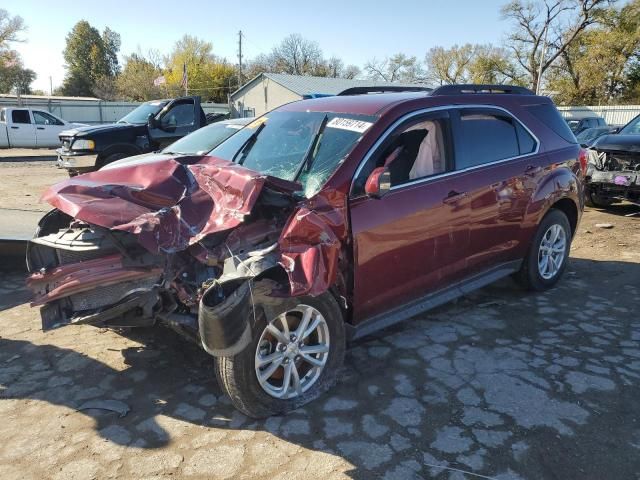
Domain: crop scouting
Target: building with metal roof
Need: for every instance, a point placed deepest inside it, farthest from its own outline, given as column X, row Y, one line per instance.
column 267, row 91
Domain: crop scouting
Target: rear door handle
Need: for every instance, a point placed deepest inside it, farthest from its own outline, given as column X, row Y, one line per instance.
column 15, row 128
column 532, row 170
column 454, row 197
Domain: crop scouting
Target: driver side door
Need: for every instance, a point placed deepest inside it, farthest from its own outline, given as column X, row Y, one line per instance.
column 413, row 240
column 177, row 119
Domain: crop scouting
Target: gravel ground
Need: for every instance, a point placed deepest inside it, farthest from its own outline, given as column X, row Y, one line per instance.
column 501, row 384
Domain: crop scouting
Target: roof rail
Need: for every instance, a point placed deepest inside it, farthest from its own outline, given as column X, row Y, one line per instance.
column 479, row 88
column 383, row 89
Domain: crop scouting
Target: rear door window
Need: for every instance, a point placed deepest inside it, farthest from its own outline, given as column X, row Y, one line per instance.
column 487, row 135
column 20, row 116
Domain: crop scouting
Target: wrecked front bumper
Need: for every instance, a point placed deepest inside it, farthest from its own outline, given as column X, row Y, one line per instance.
column 180, row 244
column 614, row 175
column 75, row 160
column 615, row 185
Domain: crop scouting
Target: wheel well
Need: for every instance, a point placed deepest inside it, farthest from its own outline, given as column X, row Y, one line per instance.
column 568, row 207
column 127, row 150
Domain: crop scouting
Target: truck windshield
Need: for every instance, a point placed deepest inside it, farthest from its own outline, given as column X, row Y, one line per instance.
column 203, row 140
column 321, row 140
column 633, row 127
column 140, row 115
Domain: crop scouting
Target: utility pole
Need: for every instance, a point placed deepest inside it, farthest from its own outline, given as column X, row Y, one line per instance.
column 50, row 86
column 542, row 56
column 239, row 58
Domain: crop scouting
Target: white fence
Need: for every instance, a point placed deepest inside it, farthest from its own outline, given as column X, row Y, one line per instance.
column 612, row 114
column 89, row 110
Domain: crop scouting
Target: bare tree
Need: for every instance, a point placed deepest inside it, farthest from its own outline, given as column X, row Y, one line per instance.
column 297, row 55
column 351, row 72
column 559, row 21
column 397, row 68
column 449, row 65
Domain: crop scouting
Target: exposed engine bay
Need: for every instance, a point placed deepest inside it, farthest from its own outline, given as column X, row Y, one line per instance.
column 613, row 175
column 180, row 244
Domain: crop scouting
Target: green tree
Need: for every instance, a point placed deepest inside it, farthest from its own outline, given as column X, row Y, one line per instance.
column 208, row 76
column 89, row 56
column 598, row 68
column 135, row 82
column 13, row 76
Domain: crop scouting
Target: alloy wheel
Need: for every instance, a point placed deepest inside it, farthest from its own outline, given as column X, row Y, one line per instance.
column 552, row 251
column 292, row 352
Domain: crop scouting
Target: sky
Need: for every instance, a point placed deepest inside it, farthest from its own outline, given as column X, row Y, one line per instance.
column 354, row 30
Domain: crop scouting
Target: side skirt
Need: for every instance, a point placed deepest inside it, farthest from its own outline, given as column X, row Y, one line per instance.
column 432, row 300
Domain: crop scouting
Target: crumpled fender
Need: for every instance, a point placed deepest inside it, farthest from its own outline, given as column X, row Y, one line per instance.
column 310, row 243
column 166, row 204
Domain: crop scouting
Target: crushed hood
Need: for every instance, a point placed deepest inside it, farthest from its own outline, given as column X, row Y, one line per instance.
column 166, row 204
column 618, row 142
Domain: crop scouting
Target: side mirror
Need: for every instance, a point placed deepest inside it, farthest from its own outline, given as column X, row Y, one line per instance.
column 151, row 121
column 378, row 183
column 614, row 130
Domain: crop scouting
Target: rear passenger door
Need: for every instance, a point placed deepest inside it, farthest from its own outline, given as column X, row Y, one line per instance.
column 500, row 157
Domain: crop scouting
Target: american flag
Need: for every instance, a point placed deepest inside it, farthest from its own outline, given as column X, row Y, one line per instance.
column 185, row 80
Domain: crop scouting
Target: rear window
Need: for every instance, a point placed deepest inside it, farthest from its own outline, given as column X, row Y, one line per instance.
column 20, row 116
column 549, row 115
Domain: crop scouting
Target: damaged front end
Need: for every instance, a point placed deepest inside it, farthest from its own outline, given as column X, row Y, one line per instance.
column 613, row 172
column 180, row 245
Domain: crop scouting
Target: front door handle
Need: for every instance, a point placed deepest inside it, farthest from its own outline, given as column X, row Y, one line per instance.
column 454, row 197
column 40, row 128
column 532, row 170
column 16, row 128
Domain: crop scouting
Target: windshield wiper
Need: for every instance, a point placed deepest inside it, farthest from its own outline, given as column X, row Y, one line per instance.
column 310, row 154
column 248, row 145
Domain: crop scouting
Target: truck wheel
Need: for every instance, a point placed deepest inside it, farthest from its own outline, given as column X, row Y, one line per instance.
column 547, row 257
column 296, row 350
column 593, row 200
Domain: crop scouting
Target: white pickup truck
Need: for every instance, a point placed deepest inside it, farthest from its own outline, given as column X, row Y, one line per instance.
column 31, row 128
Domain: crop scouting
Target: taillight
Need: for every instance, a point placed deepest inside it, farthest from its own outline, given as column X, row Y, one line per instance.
column 583, row 157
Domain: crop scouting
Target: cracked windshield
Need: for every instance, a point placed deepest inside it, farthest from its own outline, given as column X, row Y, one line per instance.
column 301, row 146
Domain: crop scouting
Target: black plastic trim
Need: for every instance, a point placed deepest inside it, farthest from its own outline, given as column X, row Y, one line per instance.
column 432, row 300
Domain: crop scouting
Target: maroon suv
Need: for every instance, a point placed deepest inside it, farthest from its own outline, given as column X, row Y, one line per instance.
column 322, row 221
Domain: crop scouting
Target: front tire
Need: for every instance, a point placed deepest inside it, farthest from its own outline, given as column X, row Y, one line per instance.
column 548, row 254
column 595, row 201
column 296, row 350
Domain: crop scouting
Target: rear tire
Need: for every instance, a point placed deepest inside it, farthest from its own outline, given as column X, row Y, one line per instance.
column 238, row 375
column 534, row 273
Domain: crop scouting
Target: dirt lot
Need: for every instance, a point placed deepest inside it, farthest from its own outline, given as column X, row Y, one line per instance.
column 23, row 183
column 502, row 384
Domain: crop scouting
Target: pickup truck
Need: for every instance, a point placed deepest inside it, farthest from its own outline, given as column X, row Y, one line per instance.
column 31, row 128
column 150, row 127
